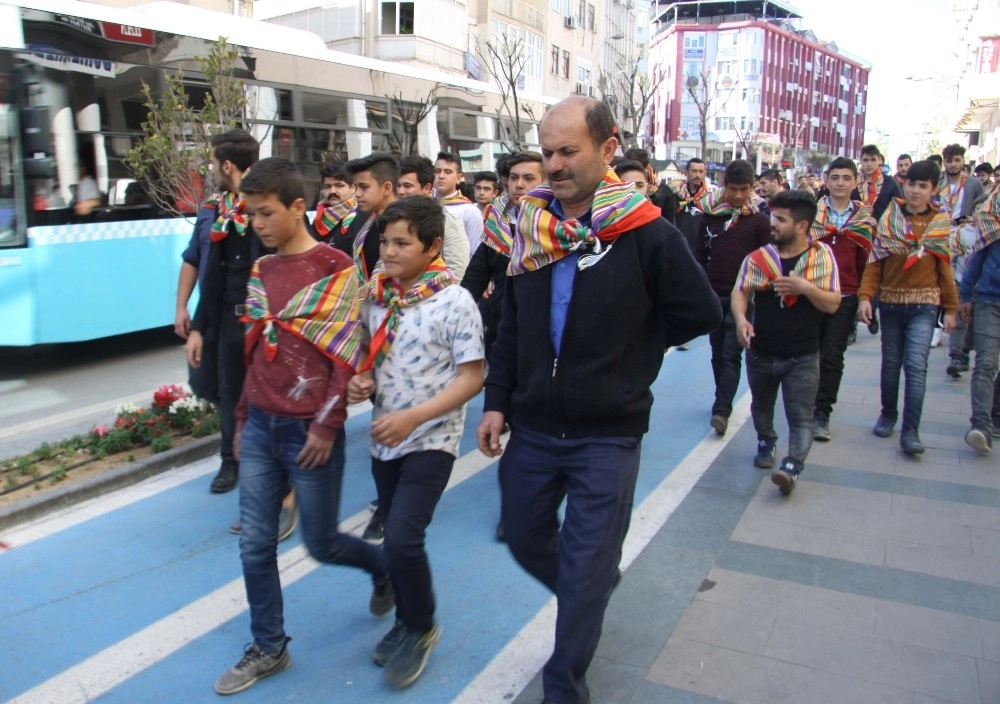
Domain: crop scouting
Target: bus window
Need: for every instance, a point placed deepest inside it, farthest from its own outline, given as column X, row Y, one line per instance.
column 12, row 233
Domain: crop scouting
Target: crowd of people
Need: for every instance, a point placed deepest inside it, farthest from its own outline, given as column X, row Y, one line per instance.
column 415, row 286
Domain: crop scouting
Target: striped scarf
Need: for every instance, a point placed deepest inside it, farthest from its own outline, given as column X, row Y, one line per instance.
column 496, row 230
column 324, row 314
column 455, row 198
column 328, row 217
column 542, row 238
column 763, row 266
column 684, row 195
column 710, row 205
column 895, row 236
column 385, row 292
column 348, row 219
column 869, row 190
column 858, row 229
column 231, row 208
column 987, row 221
column 358, row 249
column 949, row 198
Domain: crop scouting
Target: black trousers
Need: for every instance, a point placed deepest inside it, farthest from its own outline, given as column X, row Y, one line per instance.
column 834, row 331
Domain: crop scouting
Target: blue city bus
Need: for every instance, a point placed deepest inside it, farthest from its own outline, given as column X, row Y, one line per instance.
column 71, row 106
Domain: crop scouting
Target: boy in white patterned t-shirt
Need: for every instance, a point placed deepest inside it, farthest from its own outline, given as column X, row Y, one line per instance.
column 425, row 363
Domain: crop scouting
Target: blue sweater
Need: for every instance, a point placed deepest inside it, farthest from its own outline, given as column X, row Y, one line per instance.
column 981, row 280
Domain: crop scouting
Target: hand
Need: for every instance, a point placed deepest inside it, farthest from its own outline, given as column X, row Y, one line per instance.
column 489, row 291
column 488, row 433
column 237, row 438
column 965, row 312
column 949, row 322
column 864, row 314
column 193, row 347
column 182, row 323
column 314, row 453
column 791, row 285
column 744, row 333
column 360, row 387
column 393, row 428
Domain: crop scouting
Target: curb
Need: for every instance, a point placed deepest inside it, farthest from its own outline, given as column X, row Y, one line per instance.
column 117, row 478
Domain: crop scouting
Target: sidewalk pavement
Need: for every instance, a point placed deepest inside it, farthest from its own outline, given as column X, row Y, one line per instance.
column 876, row 581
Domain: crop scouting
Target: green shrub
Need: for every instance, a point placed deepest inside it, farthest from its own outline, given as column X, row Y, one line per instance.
column 161, row 443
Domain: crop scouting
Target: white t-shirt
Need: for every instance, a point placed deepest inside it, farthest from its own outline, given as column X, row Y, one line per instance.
column 433, row 338
column 472, row 217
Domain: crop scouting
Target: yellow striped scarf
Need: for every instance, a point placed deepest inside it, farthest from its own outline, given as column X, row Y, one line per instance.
column 762, row 267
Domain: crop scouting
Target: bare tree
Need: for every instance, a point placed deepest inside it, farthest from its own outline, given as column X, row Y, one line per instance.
column 505, row 59
column 703, row 94
column 750, row 140
column 405, row 120
column 171, row 158
column 631, row 91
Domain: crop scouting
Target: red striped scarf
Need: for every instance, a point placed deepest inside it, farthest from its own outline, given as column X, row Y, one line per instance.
column 328, row 217
column 858, row 228
column 869, row 190
column 987, row 221
column 712, row 204
column 895, row 236
column 231, row 208
column 949, row 198
column 358, row 249
column 762, row 267
column 496, row 230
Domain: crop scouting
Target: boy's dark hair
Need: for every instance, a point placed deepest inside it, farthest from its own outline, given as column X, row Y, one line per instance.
column 277, row 176
column 381, row 166
column 870, row 150
column 424, row 216
column 523, row 157
column 451, row 158
column 503, row 165
column 952, row 150
column 925, row 170
column 903, row 156
column 600, row 122
column 772, row 175
column 739, row 172
column 236, row 146
column 486, row 176
column 800, row 204
column 936, row 158
column 630, row 165
column 842, row 162
column 337, row 170
column 638, row 154
column 421, row 166
column 984, row 168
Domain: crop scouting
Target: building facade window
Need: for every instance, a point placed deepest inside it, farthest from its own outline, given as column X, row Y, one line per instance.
column 723, row 123
column 555, row 60
column 581, row 13
column 534, row 48
column 591, row 17
column 565, row 64
column 397, row 17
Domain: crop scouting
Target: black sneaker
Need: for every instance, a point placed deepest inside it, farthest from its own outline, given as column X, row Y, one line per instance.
column 910, row 443
column 383, row 598
column 390, row 641
column 979, row 440
column 955, row 369
column 852, row 336
column 821, row 428
column 373, row 531
column 227, row 478
column 883, row 426
column 719, row 423
column 254, row 666
column 766, row 451
column 995, row 431
column 785, row 477
column 410, row 657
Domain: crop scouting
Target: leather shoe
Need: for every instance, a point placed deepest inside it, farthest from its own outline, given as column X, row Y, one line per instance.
column 883, row 426
column 226, row 479
column 909, row 441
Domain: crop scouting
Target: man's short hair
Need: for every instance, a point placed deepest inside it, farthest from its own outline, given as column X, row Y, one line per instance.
column 503, row 165
column 925, row 170
column 638, row 154
column 424, row 217
column 694, row 160
column 842, row 162
column 936, row 158
column 630, row 165
column 490, row 176
column 600, row 122
column 871, row 150
column 275, row 176
column 739, row 172
column 381, row 166
column 236, row 146
column 772, row 175
column 800, row 204
column 337, row 170
column 523, row 157
column 952, row 150
column 903, row 156
column 421, row 166
column 451, row 158
column 984, row 168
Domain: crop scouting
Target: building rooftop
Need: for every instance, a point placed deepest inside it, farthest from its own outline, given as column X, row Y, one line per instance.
column 713, row 11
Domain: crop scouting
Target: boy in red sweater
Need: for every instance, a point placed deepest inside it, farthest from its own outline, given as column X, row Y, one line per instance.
column 301, row 347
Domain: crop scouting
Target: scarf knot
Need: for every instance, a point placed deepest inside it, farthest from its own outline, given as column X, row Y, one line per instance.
column 762, row 267
column 712, row 204
column 895, row 236
column 496, row 230
column 231, row 209
column 859, row 227
column 329, row 217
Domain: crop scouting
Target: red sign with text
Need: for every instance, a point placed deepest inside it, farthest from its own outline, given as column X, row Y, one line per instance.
column 989, row 54
column 127, row 34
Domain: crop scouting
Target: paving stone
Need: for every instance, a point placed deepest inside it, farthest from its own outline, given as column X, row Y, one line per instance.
column 938, row 511
column 989, row 680
column 990, row 631
column 650, row 693
column 985, row 541
column 813, row 540
column 935, row 630
column 738, row 628
column 942, row 562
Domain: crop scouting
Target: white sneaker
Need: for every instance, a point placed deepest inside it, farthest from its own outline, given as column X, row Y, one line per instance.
column 936, row 338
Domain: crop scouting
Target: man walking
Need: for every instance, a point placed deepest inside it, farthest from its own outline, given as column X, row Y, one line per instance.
column 689, row 192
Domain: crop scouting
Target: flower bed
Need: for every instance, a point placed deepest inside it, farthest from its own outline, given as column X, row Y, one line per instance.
column 173, row 414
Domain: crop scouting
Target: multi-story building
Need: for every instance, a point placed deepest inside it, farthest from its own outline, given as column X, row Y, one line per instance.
column 746, row 72
column 978, row 86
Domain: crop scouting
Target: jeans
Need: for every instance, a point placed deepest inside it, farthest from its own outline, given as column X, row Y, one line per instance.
column 834, row 331
column 906, row 342
column 727, row 356
column 961, row 340
column 986, row 323
column 267, row 462
column 798, row 378
column 578, row 562
column 231, row 373
column 409, row 489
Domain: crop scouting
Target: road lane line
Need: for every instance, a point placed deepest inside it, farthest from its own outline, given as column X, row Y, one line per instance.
column 105, row 670
column 516, row 665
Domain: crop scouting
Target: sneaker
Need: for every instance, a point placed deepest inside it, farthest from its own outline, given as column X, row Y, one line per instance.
column 852, row 336
column 227, row 477
column 785, row 476
column 963, row 364
column 883, row 426
column 910, row 443
column 821, row 429
column 873, row 325
column 500, row 535
column 390, row 641
column 682, row 348
column 719, row 423
column 995, row 431
column 955, row 368
column 287, row 520
column 410, row 657
column 766, row 451
column 979, row 440
column 236, row 527
column 383, row 598
column 936, row 338
column 254, row 666
column 373, row 531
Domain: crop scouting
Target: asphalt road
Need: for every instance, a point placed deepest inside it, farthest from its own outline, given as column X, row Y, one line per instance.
column 50, row 392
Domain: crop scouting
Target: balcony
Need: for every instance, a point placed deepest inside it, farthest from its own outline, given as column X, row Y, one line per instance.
column 520, row 11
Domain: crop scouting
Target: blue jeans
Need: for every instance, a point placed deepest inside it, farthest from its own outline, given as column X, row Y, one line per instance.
column 267, row 463
column 727, row 358
column 986, row 325
column 798, row 379
column 578, row 562
column 906, row 341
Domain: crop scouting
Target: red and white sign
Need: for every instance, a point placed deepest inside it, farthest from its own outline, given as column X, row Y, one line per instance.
column 989, row 55
column 127, row 34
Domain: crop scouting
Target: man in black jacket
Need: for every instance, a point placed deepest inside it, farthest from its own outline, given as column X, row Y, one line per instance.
column 595, row 296
column 874, row 189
